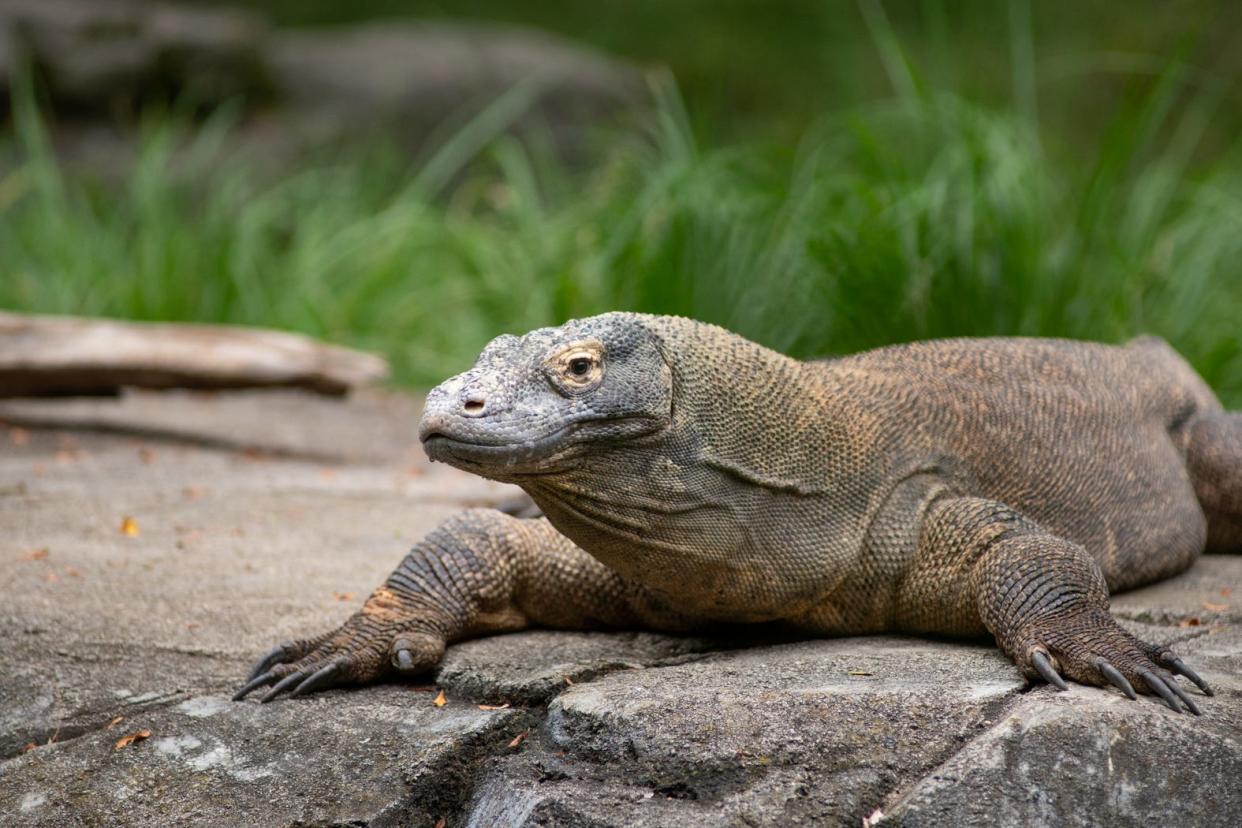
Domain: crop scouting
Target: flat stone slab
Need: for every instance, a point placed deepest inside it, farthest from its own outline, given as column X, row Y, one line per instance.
column 253, row 518
column 389, row 756
column 1089, row 758
column 371, row 426
column 533, row 667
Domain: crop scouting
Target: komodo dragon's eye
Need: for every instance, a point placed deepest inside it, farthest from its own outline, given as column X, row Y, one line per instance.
column 579, row 367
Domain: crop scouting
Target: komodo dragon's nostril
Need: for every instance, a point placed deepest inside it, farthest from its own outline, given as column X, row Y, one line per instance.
column 473, row 403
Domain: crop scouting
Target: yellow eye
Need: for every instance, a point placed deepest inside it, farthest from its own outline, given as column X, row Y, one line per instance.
column 580, row 366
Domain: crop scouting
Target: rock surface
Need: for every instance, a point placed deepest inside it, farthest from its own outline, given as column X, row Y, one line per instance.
column 262, row 516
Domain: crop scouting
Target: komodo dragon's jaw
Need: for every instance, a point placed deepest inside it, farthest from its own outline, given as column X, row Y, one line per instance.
column 532, row 404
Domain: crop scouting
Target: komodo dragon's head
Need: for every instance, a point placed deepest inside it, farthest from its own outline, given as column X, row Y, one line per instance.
column 674, row 451
column 533, row 404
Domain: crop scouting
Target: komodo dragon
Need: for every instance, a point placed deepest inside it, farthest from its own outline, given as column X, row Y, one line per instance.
column 688, row 477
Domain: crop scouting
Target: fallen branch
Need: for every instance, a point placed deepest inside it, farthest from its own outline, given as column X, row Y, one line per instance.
column 43, row 356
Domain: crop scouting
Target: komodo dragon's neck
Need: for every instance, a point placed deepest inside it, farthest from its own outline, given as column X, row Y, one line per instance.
column 759, row 458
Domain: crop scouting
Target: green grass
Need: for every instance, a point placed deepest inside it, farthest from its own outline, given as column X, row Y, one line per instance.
column 920, row 216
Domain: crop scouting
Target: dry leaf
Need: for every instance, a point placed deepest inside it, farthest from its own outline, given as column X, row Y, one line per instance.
column 859, row 673
column 114, row 722
column 129, row 527
column 192, row 625
column 568, row 680
column 1188, row 622
column 440, row 701
column 440, row 823
column 517, row 740
column 35, row 554
column 192, row 492
column 29, row 746
column 504, row 706
column 343, row 596
column 51, row 577
column 19, row 436
column 146, row 455
column 1225, row 592
column 136, row 736
column 72, row 572
column 1210, row 607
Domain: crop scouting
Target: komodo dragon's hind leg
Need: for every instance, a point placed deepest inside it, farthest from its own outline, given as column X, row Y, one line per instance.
column 1042, row 596
column 480, row 572
column 1214, row 460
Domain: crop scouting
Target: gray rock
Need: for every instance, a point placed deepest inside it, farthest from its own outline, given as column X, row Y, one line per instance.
column 374, row 427
column 776, row 734
column 1090, row 758
column 105, row 56
column 411, row 77
column 532, row 667
column 101, row 61
column 207, row 761
column 1199, row 597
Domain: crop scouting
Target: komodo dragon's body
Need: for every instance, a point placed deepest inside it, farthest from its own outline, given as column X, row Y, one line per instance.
column 688, row 476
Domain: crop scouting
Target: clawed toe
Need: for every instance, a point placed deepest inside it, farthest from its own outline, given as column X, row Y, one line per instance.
column 1179, row 668
column 280, row 653
column 254, row 684
column 1166, row 688
column 321, row 680
column 1117, row 679
column 294, row 681
column 1044, row 666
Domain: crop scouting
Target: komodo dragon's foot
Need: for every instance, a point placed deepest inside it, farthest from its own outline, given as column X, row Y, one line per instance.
column 1087, row 645
column 365, row 648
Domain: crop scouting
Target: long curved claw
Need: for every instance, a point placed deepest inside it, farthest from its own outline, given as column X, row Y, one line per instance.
column 1045, row 668
column 1179, row 668
column 1161, row 689
column 319, row 681
column 287, row 683
column 1118, row 680
column 1172, row 684
column 273, row 657
column 254, row 684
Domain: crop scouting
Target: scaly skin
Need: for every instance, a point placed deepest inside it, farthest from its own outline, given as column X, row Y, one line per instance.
column 688, row 477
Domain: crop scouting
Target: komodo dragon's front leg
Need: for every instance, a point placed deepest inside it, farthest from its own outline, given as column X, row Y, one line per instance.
column 480, row 572
column 1042, row 596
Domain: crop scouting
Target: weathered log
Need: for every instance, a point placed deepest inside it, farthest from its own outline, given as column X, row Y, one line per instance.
column 42, row 356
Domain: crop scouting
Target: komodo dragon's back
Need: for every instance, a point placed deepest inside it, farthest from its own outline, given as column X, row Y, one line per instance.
column 1090, row 438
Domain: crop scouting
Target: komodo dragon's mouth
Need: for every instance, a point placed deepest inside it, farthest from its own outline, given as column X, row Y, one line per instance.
column 451, row 449
column 475, row 451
